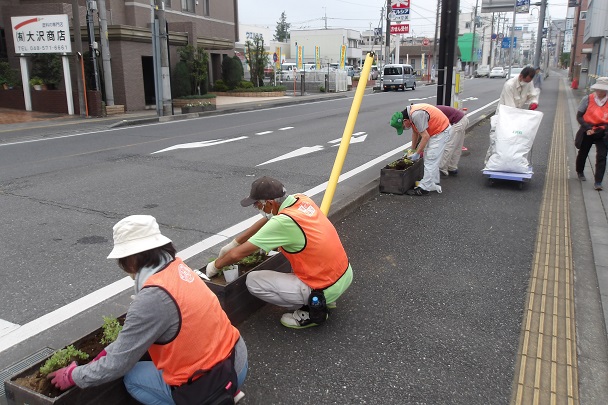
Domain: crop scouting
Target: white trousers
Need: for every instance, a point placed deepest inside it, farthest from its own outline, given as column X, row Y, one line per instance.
column 453, row 148
column 282, row 289
column 432, row 159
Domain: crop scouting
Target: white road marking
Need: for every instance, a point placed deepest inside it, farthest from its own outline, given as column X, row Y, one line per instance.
column 353, row 140
column 337, row 140
column 298, row 152
column 6, row 327
column 423, row 98
column 264, row 133
column 201, row 144
column 285, row 129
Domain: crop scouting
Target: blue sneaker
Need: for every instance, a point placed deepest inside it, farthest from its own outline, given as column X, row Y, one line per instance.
column 598, row 186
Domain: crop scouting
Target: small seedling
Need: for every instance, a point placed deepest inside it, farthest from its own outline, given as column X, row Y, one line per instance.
column 62, row 358
column 111, row 327
column 253, row 259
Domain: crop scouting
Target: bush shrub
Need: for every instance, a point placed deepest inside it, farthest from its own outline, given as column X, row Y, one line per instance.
column 220, row 86
column 245, row 85
column 48, row 67
column 181, row 80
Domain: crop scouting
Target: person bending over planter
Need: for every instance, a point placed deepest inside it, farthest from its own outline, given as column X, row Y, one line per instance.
column 174, row 317
column 431, row 130
column 297, row 227
column 453, row 149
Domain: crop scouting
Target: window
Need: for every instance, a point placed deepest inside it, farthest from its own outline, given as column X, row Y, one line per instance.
column 188, row 5
column 206, row 8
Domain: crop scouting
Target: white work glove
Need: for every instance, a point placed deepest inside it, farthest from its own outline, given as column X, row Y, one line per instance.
column 414, row 157
column 211, row 270
column 228, row 247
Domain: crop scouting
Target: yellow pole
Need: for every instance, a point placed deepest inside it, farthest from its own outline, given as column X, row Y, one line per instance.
column 348, row 132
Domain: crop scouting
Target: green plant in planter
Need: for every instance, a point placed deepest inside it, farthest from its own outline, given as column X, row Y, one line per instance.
column 199, row 104
column 36, row 81
column 253, row 259
column 62, row 358
column 111, row 327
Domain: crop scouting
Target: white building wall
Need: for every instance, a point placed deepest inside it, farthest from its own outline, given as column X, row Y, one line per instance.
column 329, row 41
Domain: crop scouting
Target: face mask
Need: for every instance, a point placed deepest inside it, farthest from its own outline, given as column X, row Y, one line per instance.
column 267, row 215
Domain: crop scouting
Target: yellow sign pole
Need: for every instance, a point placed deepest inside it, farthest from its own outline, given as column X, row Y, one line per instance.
column 348, row 133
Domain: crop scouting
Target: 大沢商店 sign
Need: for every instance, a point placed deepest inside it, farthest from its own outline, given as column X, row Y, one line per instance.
column 41, row 34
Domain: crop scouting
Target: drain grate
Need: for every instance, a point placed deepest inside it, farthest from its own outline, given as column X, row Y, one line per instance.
column 22, row 365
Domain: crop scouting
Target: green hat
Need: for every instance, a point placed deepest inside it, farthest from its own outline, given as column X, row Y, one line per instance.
column 397, row 122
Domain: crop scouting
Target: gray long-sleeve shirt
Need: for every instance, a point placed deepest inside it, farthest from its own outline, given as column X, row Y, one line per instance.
column 152, row 317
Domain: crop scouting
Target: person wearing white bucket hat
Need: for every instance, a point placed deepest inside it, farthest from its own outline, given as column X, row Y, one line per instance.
column 195, row 350
column 592, row 115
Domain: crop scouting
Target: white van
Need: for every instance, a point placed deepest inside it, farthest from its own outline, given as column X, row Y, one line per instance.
column 398, row 76
column 288, row 71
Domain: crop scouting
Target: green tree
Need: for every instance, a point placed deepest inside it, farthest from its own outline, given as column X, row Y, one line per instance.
column 232, row 71
column 282, row 31
column 48, row 67
column 181, row 85
column 564, row 59
column 257, row 58
column 197, row 60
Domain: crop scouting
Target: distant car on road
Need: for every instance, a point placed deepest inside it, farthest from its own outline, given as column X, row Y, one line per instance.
column 515, row 72
column 498, row 71
column 482, row 71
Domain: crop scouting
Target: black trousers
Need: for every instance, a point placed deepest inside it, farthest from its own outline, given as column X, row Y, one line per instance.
column 600, row 156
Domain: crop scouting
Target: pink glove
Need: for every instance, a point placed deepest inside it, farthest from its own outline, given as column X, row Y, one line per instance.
column 533, row 106
column 62, row 378
column 100, row 355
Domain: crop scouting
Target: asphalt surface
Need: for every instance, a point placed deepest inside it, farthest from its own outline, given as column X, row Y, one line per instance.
column 434, row 313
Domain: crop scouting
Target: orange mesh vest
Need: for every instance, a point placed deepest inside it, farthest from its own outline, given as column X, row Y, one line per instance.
column 322, row 260
column 438, row 122
column 595, row 114
column 205, row 336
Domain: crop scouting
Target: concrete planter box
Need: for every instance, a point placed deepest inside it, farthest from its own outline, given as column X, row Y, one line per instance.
column 198, row 108
column 113, row 392
column 181, row 102
column 234, row 297
column 251, row 94
column 399, row 181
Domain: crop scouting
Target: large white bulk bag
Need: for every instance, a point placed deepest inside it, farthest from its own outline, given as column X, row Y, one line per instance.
column 515, row 133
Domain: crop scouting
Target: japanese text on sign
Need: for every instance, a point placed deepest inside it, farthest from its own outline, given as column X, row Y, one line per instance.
column 41, row 34
column 400, row 29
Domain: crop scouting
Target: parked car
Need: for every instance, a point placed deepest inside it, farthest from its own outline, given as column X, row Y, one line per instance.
column 398, row 76
column 515, row 72
column 498, row 71
column 482, row 71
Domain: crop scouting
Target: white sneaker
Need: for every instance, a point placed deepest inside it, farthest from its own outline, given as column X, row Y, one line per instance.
column 238, row 396
column 298, row 319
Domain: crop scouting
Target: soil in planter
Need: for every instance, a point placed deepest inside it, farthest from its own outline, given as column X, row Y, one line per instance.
column 245, row 266
column 91, row 345
column 400, row 164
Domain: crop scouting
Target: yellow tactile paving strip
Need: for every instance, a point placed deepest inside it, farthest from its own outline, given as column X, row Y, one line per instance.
column 546, row 369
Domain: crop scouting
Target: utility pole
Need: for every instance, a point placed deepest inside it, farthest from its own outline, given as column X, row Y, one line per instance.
column 491, row 60
column 78, row 46
column 474, row 26
column 388, row 32
column 91, row 7
column 105, row 53
column 164, row 57
column 539, row 35
column 577, row 11
column 435, row 37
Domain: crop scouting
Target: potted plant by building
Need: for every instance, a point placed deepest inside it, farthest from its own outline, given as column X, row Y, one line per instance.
column 401, row 175
column 36, row 83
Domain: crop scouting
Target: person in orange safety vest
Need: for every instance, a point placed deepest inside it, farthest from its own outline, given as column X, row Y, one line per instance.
column 295, row 226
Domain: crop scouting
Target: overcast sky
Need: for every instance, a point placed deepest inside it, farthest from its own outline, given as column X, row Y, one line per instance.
column 358, row 14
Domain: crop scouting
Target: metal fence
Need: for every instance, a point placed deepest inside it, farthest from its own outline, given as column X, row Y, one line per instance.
column 314, row 81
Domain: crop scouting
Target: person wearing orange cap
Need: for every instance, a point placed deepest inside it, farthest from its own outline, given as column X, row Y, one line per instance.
column 296, row 226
